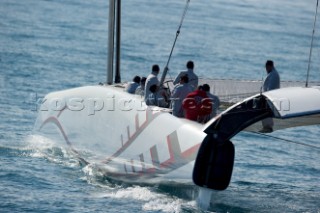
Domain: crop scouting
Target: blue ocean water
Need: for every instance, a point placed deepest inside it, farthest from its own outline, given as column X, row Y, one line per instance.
column 48, row 45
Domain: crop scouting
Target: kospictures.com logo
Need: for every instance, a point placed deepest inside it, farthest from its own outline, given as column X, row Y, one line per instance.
column 110, row 103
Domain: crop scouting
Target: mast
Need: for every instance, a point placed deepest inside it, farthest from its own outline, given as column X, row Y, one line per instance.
column 117, row 78
column 114, row 34
column 111, row 41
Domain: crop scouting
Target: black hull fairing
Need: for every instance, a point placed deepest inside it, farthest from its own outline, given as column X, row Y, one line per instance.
column 288, row 107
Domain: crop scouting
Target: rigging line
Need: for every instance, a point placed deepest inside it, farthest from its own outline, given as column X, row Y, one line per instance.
column 312, row 38
column 262, row 82
column 174, row 43
column 286, row 140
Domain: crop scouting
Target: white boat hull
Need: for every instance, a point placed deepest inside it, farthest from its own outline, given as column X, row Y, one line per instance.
column 127, row 137
column 128, row 140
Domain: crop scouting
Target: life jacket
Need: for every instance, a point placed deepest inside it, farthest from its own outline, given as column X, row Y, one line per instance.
column 197, row 106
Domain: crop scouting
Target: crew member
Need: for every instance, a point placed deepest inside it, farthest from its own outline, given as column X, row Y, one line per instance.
column 152, row 79
column 193, row 78
column 214, row 100
column 179, row 93
column 197, row 106
column 132, row 86
column 271, row 82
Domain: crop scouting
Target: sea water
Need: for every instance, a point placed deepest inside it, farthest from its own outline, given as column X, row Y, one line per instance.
column 48, row 45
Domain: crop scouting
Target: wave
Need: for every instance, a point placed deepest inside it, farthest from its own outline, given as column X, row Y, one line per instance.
column 164, row 197
column 257, row 184
column 39, row 146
